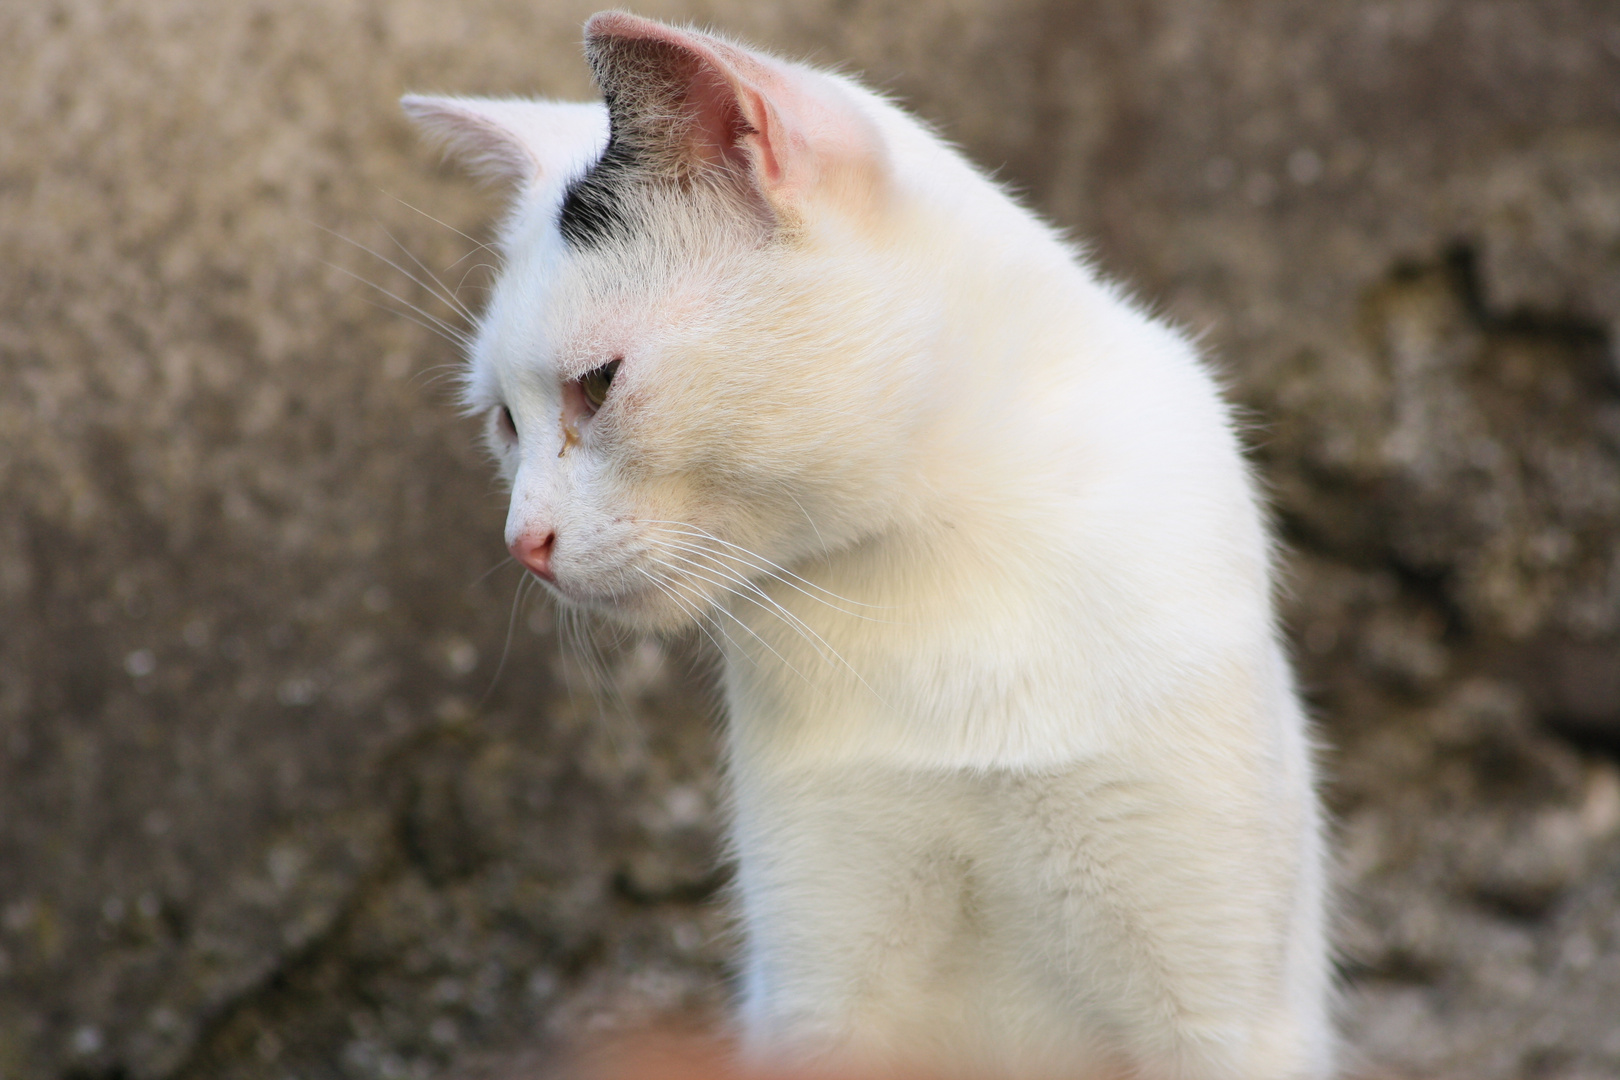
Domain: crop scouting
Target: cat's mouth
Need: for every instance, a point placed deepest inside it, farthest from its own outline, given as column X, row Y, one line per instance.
column 651, row 575
column 639, row 598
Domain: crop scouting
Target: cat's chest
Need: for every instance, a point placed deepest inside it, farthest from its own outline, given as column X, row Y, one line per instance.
column 916, row 680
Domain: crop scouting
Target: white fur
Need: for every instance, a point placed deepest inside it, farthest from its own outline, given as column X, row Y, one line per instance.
column 1021, row 781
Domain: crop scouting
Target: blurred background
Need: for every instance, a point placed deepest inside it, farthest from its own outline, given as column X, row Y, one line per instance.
column 290, row 787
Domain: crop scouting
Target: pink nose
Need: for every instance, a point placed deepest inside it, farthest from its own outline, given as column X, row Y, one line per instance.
column 535, row 553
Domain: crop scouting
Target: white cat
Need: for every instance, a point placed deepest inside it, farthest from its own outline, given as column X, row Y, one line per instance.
column 1021, row 783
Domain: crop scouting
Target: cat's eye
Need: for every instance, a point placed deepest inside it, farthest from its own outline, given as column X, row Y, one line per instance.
column 594, row 383
column 505, row 424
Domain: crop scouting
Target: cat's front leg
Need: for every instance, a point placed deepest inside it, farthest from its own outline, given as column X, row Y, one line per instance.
column 858, row 921
column 1173, row 915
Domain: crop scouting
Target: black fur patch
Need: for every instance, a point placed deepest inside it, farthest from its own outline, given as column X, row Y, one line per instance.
column 593, row 208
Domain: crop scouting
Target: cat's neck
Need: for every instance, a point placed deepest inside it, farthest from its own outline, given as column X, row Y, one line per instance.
column 945, row 637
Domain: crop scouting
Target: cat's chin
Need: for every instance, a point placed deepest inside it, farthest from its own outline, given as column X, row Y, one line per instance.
column 646, row 611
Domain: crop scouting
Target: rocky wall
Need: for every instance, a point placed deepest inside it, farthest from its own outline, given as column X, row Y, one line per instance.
column 296, row 780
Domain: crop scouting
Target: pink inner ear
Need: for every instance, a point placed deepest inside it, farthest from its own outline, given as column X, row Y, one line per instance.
column 728, row 110
column 718, row 126
column 755, row 115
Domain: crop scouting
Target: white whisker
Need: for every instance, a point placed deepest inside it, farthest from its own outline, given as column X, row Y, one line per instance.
column 451, row 333
column 564, row 624
column 764, row 565
column 436, row 289
column 445, row 293
column 462, row 284
column 699, row 549
column 480, row 579
column 824, row 651
column 587, row 656
column 578, row 640
column 447, row 225
column 506, row 647
column 434, row 375
column 826, row 552
column 687, row 606
column 457, row 342
column 705, row 573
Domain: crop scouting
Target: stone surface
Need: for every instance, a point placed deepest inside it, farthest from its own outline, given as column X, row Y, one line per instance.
column 293, row 779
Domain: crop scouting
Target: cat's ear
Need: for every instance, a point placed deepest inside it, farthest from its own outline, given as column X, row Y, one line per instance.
column 523, row 143
column 683, row 101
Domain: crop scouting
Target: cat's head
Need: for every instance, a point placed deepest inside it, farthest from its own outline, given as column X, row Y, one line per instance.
column 700, row 361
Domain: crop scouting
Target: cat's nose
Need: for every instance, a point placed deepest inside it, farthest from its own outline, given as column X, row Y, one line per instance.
column 535, row 553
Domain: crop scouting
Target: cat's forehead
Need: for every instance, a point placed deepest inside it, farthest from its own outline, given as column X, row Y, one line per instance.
column 670, row 256
column 557, row 310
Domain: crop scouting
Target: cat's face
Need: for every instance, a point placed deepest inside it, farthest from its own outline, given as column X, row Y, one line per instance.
column 685, row 369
